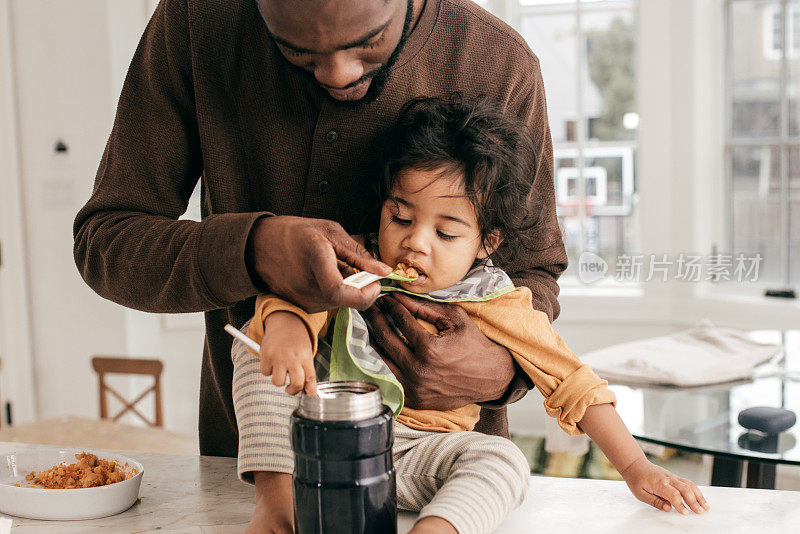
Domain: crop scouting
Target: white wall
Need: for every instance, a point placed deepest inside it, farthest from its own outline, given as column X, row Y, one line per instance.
column 65, row 63
column 63, row 92
column 16, row 377
column 62, row 65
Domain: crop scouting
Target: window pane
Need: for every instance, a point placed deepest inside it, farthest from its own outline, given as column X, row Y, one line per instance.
column 610, row 221
column 756, row 207
column 608, row 42
column 552, row 38
column 756, row 53
column 609, row 177
column 565, row 176
column 793, row 84
column 609, row 88
column 794, row 215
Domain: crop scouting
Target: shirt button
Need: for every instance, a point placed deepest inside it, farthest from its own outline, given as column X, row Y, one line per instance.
column 324, row 186
column 332, row 136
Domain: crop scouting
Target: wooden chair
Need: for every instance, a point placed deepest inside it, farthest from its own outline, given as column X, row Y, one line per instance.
column 132, row 366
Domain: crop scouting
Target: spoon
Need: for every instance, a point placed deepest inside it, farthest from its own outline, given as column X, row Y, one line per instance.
column 238, row 334
column 363, row 278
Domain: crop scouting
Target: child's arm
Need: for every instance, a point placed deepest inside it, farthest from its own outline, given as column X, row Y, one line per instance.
column 576, row 396
column 288, row 337
column 650, row 483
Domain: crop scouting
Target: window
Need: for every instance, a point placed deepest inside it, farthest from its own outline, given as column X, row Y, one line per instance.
column 772, row 31
column 762, row 151
column 587, row 51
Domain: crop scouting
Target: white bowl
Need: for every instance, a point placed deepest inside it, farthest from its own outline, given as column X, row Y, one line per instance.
column 61, row 504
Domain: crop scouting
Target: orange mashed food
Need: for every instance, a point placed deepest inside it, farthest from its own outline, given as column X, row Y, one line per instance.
column 87, row 472
column 406, row 270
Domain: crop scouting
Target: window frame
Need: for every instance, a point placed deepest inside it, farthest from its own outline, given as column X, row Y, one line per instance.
column 513, row 12
column 783, row 142
column 790, row 29
column 688, row 37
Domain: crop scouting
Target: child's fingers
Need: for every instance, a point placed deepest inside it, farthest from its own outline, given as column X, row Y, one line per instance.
column 278, row 375
column 311, row 378
column 296, row 380
column 656, row 502
column 668, row 492
column 687, row 494
column 696, row 501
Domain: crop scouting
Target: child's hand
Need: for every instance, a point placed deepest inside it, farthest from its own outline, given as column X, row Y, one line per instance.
column 658, row 487
column 286, row 347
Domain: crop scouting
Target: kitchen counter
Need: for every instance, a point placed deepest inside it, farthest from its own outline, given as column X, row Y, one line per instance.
column 200, row 494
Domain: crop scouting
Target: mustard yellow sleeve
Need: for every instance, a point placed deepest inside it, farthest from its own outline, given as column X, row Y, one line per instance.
column 316, row 323
column 568, row 385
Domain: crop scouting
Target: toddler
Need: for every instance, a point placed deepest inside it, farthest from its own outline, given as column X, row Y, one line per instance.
column 455, row 179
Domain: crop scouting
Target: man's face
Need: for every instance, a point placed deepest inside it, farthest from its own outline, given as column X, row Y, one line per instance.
column 347, row 46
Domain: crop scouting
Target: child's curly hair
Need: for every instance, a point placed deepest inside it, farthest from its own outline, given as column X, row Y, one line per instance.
column 492, row 150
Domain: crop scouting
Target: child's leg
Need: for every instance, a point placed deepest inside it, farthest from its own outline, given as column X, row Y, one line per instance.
column 265, row 452
column 467, row 478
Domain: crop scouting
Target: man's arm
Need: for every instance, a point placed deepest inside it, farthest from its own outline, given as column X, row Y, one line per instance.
column 539, row 268
column 130, row 246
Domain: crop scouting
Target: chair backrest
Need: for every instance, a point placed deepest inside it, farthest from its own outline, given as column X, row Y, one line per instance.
column 130, row 366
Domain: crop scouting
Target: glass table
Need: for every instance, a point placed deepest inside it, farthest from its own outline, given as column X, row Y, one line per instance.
column 705, row 420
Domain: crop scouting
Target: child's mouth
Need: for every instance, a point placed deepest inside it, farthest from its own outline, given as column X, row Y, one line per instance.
column 422, row 277
column 419, row 281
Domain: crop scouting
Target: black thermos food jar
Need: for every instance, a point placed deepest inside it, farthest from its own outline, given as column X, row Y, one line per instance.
column 344, row 479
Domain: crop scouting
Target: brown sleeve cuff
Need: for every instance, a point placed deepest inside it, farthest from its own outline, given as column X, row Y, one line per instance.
column 249, row 258
column 221, row 256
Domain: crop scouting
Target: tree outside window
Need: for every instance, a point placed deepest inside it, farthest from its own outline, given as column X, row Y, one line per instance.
column 587, row 50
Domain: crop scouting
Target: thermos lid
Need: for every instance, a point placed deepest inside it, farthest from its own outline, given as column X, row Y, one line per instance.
column 342, row 401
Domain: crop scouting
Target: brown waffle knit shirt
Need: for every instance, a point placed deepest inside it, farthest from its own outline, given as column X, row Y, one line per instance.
column 208, row 96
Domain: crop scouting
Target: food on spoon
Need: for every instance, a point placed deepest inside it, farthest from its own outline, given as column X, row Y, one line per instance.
column 87, row 472
column 405, row 270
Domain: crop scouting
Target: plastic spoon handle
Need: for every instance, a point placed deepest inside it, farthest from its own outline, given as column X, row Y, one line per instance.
column 363, row 279
column 235, row 332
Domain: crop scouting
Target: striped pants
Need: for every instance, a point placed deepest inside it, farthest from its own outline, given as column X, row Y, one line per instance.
column 470, row 479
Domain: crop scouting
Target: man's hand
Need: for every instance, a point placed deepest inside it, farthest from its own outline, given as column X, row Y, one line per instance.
column 452, row 368
column 299, row 258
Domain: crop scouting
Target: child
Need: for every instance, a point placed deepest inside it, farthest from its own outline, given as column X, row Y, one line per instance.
column 455, row 180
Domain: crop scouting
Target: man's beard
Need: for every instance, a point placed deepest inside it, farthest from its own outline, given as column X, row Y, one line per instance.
column 378, row 77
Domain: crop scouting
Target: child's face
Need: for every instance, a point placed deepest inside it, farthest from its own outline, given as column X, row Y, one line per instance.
column 430, row 224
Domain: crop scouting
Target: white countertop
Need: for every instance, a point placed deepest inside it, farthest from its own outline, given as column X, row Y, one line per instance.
column 194, row 494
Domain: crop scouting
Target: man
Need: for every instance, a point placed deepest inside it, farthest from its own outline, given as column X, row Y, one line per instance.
column 275, row 103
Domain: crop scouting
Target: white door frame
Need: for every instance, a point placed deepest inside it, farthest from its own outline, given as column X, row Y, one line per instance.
column 17, row 375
